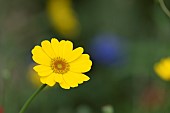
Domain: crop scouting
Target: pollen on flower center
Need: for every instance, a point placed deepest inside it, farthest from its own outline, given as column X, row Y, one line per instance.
column 60, row 65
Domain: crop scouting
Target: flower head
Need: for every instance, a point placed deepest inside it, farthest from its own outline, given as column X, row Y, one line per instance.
column 58, row 62
column 162, row 68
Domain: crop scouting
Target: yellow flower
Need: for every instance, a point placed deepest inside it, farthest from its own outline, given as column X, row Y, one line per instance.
column 162, row 68
column 63, row 17
column 58, row 62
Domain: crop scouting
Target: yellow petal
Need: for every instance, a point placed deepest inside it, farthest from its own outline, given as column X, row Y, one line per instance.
column 64, row 85
column 55, row 46
column 46, row 46
column 40, row 57
column 67, row 49
column 49, row 80
column 82, row 64
column 70, row 80
column 60, row 48
column 45, row 73
column 43, row 70
column 76, row 53
column 58, row 77
column 73, row 79
column 40, row 68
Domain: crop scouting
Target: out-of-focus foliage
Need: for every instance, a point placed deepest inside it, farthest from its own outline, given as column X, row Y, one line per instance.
column 141, row 30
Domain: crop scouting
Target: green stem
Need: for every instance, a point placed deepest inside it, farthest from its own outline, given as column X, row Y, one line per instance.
column 164, row 8
column 27, row 103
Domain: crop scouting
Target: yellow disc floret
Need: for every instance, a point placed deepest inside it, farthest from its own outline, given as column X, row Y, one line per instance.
column 60, row 66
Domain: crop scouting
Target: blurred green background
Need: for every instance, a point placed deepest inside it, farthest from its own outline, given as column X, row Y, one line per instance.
column 124, row 38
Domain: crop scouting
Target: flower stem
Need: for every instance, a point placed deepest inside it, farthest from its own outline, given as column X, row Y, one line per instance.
column 164, row 8
column 27, row 103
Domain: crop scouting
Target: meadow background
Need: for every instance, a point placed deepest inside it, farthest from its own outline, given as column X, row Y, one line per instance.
column 125, row 38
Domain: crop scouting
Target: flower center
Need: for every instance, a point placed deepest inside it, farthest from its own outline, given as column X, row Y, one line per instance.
column 60, row 65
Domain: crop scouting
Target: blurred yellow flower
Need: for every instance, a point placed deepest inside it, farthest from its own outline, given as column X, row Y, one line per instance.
column 63, row 17
column 58, row 62
column 33, row 77
column 162, row 68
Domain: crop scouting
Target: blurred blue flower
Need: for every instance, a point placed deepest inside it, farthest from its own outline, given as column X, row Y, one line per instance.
column 107, row 49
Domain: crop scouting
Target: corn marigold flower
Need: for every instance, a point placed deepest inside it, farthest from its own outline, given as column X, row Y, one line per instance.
column 59, row 63
column 162, row 68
